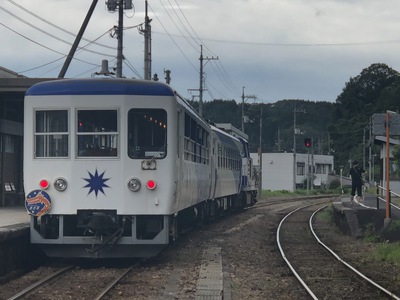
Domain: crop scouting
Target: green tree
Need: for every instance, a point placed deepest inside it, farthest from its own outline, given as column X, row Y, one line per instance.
column 360, row 98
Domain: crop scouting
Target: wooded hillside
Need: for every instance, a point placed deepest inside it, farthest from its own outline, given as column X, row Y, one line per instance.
column 335, row 128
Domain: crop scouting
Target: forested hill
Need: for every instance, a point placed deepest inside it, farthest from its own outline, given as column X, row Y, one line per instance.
column 277, row 122
column 336, row 128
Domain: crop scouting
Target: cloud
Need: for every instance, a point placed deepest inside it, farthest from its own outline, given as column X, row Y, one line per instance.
column 305, row 49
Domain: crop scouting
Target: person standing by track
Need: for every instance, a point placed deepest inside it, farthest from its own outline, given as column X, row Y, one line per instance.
column 356, row 181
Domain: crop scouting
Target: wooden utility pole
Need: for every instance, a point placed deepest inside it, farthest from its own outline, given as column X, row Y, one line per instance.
column 120, row 38
column 77, row 40
column 147, row 44
column 245, row 97
column 201, row 88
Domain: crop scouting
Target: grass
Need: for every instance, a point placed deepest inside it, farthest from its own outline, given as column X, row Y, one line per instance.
column 370, row 235
column 326, row 214
column 389, row 252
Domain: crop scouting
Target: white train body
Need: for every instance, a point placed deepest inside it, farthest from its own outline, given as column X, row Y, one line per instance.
column 118, row 167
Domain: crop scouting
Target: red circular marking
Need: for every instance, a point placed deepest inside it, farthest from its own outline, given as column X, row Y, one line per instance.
column 151, row 184
column 44, row 184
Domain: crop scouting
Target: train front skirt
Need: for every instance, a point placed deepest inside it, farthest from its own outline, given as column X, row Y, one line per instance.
column 130, row 236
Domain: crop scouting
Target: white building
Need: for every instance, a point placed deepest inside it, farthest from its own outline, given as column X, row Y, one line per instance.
column 277, row 170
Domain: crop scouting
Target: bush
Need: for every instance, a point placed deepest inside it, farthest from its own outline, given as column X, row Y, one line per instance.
column 334, row 184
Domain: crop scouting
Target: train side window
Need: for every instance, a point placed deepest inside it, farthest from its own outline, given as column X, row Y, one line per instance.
column 51, row 133
column 196, row 147
column 147, row 133
column 97, row 133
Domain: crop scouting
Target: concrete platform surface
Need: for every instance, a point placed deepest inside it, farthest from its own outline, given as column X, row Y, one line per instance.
column 369, row 201
column 13, row 215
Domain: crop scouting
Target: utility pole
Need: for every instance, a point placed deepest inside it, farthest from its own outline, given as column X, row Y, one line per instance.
column 120, row 38
column 112, row 6
column 147, row 44
column 245, row 97
column 260, row 187
column 201, row 88
column 77, row 40
column 294, row 144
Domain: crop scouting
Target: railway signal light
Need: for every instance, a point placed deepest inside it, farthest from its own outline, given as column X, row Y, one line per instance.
column 307, row 142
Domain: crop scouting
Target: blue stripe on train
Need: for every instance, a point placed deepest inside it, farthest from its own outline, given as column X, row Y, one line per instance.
column 96, row 86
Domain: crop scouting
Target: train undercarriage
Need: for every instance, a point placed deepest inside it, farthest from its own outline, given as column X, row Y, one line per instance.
column 104, row 233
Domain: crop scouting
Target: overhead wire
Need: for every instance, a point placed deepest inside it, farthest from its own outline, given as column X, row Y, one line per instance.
column 252, row 43
column 183, row 24
column 177, row 27
column 175, row 43
column 54, row 25
column 223, row 76
column 133, row 69
column 41, row 45
column 49, row 34
column 80, row 49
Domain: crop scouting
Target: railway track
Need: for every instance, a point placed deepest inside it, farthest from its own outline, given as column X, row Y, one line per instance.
column 71, row 282
column 234, row 257
column 321, row 271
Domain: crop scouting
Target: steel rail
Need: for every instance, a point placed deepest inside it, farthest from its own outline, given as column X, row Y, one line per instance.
column 344, row 262
column 39, row 283
column 112, row 284
column 309, row 291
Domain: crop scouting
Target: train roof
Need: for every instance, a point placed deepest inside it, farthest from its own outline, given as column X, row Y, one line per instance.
column 223, row 134
column 100, row 86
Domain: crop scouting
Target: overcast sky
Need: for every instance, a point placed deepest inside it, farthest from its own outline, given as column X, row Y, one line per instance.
column 276, row 49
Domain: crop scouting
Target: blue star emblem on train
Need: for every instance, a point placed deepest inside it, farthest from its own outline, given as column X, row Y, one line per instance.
column 96, row 183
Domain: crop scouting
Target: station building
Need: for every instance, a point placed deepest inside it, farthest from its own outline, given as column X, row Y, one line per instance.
column 278, row 172
column 12, row 90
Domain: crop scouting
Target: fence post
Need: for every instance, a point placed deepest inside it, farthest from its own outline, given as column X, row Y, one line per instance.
column 377, row 197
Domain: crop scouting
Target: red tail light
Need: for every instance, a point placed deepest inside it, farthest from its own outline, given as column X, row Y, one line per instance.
column 44, row 184
column 151, row 184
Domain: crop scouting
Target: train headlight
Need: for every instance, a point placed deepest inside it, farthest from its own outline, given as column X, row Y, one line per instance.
column 44, row 184
column 134, row 184
column 60, row 184
column 151, row 184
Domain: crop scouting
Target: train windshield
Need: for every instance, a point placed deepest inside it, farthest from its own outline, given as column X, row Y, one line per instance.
column 147, row 133
column 51, row 133
column 97, row 132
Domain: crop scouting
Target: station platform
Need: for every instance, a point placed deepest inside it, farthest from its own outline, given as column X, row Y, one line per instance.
column 15, row 249
column 369, row 202
column 13, row 215
column 357, row 218
column 14, row 223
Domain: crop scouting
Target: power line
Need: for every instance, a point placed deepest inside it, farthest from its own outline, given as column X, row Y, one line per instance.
column 49, row 34
column 222, row 75
column 133, row 69
column 177, row 27
column 175, row 43
column 183, row 24
column 48, row 48
column 293, row 44
column 54, row 25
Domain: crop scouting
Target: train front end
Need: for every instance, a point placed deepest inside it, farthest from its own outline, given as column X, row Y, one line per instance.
column 99, row 169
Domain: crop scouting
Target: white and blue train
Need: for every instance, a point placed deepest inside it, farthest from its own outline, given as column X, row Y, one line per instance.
column 120, row 167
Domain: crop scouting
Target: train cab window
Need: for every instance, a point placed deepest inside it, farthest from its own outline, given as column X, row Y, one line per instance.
column 147, row 133
column 97, row 133
column 51, row 133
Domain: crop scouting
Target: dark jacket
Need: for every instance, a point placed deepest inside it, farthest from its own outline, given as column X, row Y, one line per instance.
column 356, row 175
